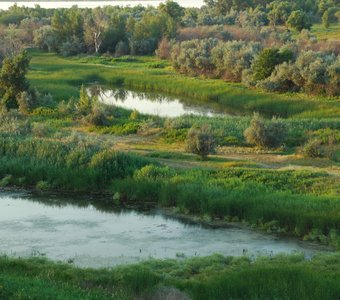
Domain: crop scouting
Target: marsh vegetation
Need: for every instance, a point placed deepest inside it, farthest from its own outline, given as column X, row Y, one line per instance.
column 266, row 155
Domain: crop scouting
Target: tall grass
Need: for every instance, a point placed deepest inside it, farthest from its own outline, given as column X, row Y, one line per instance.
column 215, row 277
column 63, row 165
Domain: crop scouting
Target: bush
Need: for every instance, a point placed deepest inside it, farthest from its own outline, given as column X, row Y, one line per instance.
column 98, row 115
column 200, row 141
column 313, row 148
column 25, row 102
column 164, row 48
column 265, row 134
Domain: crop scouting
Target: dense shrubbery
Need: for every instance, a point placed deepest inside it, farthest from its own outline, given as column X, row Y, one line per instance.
column 270, row 68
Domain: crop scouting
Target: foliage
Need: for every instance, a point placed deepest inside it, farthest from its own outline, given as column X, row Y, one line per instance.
column 265, row 134
column 264, row 64
column 13, row 79
column 85, row 103
column 213, row 277
column 74, row 165
column 63, row 77
column 200, row 141
column 298, row 20
column 313, row 149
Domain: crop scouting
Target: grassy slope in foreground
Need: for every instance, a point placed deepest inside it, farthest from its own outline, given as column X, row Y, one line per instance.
column 62, row 78
column 215, row 277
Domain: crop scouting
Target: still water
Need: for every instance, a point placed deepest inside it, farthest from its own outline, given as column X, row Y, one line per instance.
column 88, row 237
column 150, row 103
column 92, row 4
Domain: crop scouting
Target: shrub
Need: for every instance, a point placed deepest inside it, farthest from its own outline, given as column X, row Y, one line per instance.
column 85, row 103
column 164, row 48
column 134, row 115
column 265, row 134
column 40, row 129
column 98, row 115
column 200, row 141
column 153, row 172
column 232, row 58
column 313, row 148
column 25, row 102
column 14, row 123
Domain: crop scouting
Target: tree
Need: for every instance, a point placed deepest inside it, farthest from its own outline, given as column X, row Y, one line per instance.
column 200, row 141
column 13, row 79
column 298, row 20
column 11, row 42
column 326, row 19
column 95, row 26
column 279, row 12
column 173, row 9
column 264, row 64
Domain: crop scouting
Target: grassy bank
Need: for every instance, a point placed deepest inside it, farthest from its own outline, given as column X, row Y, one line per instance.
column 62, row 78
column 215, row 277
column 274, row 201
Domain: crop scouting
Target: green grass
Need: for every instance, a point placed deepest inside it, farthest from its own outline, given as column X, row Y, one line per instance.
column 331, row 34
column 215, row 277
column 62, row 78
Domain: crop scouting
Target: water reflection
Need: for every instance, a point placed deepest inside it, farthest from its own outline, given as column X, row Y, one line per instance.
column 149, row 103
column 78, row 232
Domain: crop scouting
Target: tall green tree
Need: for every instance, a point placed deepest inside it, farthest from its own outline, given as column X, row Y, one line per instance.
column 13, row 79
column 264, row 64
column 298, row 20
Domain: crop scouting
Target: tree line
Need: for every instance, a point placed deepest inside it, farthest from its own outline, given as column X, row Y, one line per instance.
column 138, row 30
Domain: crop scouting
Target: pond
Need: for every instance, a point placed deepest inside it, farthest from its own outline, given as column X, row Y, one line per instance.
column 90, row 237
column 150, row 103
column 92, row 4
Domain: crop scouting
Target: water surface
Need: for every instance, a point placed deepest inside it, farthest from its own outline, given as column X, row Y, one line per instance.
column 150, row 103
column 89, row 237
